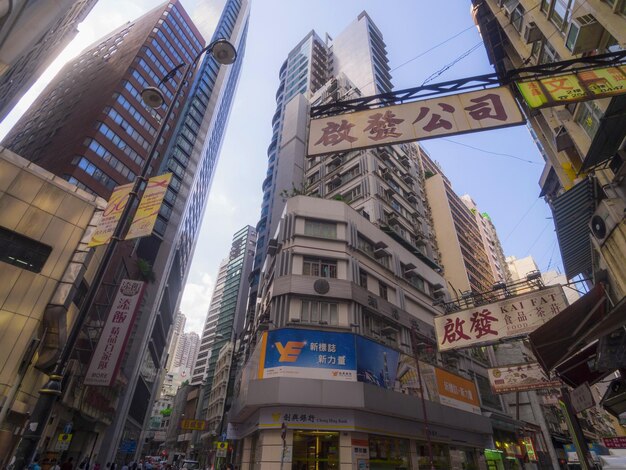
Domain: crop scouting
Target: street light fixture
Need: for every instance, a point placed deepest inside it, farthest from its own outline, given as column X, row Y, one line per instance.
column 224, row 53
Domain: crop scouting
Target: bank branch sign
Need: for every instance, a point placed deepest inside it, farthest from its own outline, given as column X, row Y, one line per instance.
column 509, row 318
column 312, row 354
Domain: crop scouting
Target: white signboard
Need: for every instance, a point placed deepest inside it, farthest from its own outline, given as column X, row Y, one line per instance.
column 520, row 377
column 305, row 418
column 510, row 318
column 582, row 398
column 435, row 117
column 107, row 357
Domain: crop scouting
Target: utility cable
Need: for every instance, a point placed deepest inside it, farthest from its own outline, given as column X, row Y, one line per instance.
column 490, row 152
column 436, row 74
column 521, row 219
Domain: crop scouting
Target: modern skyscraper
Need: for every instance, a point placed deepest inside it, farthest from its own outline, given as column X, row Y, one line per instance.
column 91, row 127
column 177, row 331
column 32, row 35
column 210, row 323
column 230, row 318
column 186, row 351
column 346, row 266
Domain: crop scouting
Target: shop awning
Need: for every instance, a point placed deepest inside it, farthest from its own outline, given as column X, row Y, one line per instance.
column 610, row 134
column 576, row 370
column 568, row 343
column 567, row 333
column 572, row 211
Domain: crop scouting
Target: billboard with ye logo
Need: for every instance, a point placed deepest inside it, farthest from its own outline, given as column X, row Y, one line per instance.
column 290, row 352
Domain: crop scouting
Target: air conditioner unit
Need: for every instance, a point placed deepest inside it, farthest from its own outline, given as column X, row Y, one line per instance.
column 531, row 32
column 509, row 6
column 608, row 215
column 584, row 34
column 562, row 139
column 618, row 166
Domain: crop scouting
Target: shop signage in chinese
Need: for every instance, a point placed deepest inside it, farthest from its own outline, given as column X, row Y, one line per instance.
column 63, row 442
column 520, row 377
column 582, row 398
column 308, row 354
column 617, row 442
column 435, row 117
column 111, row 215
column 193, row 424
column 573, row 87
column 510, row 318
column 456, row 391
column 306, row 418
column 109, row 351
column 149, row 207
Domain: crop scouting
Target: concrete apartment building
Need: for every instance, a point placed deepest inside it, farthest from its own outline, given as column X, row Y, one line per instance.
column 90, row 127
column 45, row 226
column 32, row 35
column 583, row 179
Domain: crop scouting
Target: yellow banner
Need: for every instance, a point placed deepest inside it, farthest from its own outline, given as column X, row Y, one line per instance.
column 111, row 215
column 573, row 87
column 149, row 207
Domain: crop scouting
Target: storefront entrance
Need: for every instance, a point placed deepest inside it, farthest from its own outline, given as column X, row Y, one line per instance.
column 315, row 450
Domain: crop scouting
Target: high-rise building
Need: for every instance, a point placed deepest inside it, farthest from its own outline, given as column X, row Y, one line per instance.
column 233, row 300
column 32, row 35
column 178, row 330
column 346, row 265
column 582, row 143
column 463, row 255
column 186, row 351
column 91, row 128
column 491, row 241
column 210, row 324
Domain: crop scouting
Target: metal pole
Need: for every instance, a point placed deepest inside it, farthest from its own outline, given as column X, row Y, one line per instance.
column 48, row 394
column 423, row 400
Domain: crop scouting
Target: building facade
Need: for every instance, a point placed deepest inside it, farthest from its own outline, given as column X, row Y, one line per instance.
column 32, row 35
column 111, row 152
column 177, row 331
column 186, row 351
column 45, row 226
column 210, row 324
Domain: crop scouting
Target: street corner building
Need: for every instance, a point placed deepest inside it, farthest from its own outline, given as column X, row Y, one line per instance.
column 334, row 383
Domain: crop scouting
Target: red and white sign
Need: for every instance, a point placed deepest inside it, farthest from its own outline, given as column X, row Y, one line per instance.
column 618, row 442
column 509, row 318
column 107, row 357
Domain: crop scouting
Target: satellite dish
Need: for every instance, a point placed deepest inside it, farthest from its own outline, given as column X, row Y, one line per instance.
column 598, row 227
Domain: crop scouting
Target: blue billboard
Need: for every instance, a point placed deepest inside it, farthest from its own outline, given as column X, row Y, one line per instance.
column 291, row 352
column 376, row 364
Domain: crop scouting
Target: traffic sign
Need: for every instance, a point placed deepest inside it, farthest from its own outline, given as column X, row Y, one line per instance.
column 221, row 448
column 63, row 442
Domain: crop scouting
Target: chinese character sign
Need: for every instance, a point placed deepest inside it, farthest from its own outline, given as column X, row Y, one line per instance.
column 509, row 318
column 617, row 442
column 193, row 424
column 111, row 215
column 456, row 391
column 108, row 355
column 149, row 207
column 436, row 117
column 573, row 87
column 292, row 352
column 520, row 377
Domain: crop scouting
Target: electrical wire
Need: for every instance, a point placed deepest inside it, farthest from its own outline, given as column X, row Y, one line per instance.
column 432, row 76
column 538, row 237
column 490, row 152
column 521, row 219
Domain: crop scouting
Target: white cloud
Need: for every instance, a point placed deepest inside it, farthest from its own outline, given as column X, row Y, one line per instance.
column 196, row 300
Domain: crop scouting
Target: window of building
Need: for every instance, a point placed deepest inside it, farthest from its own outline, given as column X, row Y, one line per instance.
column 560, row 14
column 319, row 312
column 319, row 267
column 318, row 228
column 22, row 251
column 365, row 245
column 589, row 117
column 517, row 18
column 382, row 290
column 548, row 54
column 363, row 278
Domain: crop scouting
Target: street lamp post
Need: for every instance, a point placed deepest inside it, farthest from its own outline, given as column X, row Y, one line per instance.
column 224, row 53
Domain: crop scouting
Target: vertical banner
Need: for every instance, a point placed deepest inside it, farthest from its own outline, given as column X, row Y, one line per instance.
column 107, row 357
column 146, row 215
column 111, row 215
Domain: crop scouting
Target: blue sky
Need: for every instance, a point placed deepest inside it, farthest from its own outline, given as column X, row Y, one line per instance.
column 503, row 186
